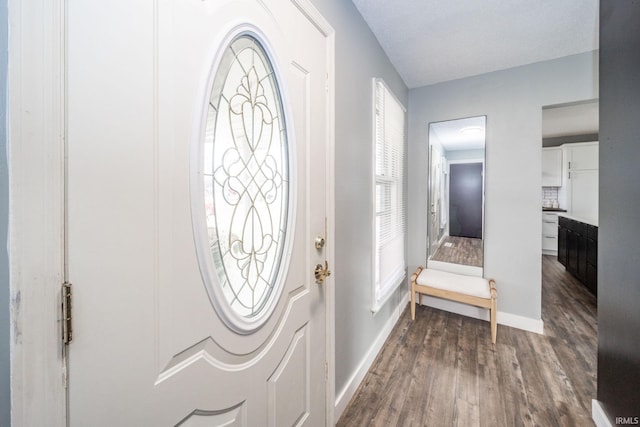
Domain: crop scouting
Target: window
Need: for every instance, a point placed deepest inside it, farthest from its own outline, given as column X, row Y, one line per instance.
column 389, row 233
column 244, row 167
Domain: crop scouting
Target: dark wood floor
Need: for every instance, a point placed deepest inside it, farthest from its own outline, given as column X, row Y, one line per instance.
column 441, row 369
column 460, row 250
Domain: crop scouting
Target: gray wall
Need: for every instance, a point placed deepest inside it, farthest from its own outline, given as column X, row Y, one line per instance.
column 5, row 386
column 618, row 254
column 359, row 58
column 512, row 100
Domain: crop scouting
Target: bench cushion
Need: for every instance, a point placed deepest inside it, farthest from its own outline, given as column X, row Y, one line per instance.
column 468, row 285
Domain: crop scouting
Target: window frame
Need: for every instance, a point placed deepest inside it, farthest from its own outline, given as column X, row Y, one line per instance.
column 381, row 290
column 239, row 324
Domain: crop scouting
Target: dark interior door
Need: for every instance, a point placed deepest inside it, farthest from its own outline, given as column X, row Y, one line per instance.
column 465, row 200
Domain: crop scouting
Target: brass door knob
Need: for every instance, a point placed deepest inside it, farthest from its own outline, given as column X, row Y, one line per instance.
column 321, row 272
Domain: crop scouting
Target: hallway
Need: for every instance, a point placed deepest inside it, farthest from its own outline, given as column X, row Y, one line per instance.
column 460, row 250
column 442, row 370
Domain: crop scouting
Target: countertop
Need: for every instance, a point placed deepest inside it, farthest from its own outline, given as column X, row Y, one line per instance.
column 577, row 218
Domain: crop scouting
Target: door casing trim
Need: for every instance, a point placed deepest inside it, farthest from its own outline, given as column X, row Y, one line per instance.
column 310, row 11
column 36, row 146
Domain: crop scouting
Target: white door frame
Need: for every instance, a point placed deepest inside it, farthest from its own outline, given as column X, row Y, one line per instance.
column 309, row 10
column 36, row 218
column 36, row 151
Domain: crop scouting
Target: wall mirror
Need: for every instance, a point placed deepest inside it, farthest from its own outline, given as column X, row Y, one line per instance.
column 456, row 194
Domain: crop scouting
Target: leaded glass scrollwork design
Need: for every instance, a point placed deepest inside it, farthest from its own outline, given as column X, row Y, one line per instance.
column 246, row 177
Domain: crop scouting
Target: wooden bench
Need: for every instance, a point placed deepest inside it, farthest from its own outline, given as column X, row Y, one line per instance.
column 471, row 290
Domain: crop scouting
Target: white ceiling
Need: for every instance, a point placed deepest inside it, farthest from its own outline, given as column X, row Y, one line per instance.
column 431, row 41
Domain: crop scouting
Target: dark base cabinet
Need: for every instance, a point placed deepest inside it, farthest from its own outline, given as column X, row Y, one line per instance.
column 578, row 251
column 562, row 244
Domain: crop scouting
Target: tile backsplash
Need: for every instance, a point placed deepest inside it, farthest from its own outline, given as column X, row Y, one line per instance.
column 550, row 194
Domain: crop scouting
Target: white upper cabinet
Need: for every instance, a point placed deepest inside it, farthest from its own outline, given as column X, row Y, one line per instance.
column 583, row 197
column 582, row 156
column 552, row 167
column 581, row 180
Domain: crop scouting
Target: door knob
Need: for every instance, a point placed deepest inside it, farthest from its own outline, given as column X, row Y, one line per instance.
column 321, row 272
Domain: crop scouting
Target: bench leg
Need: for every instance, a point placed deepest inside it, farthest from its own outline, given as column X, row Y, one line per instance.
column 414, row 277
column 494, row 324
column 413, row 301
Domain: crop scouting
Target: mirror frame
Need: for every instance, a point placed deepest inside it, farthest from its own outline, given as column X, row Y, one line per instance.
column 465, row 268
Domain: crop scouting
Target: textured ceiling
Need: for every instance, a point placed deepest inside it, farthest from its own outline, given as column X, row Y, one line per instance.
column 431, row 41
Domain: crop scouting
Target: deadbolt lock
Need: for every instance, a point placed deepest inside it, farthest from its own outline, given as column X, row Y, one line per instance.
column 319, row 242
column 321, row 272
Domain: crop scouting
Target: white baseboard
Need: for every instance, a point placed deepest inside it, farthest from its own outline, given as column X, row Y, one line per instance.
column 521, row 322
column 598, row 415
column 507, row 319
column 344, row 396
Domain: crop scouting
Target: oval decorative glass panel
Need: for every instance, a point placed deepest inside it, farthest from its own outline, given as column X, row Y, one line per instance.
column 246, row 182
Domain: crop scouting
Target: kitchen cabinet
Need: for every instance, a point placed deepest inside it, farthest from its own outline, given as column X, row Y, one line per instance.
column 578, row 250
column 581, row 272
column 562, row 245
column 549, row 233
column 572, row 252
column 581, row 179
column 583, row 194
column 592, row 258
column 552, row 167
column 582, row 156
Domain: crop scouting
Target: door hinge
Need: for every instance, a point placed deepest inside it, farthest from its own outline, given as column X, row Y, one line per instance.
column 67, row 313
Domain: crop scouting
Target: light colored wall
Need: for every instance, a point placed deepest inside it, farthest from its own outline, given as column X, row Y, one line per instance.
column 465, row 155
column 359, row 58
column 512, row 100
column 5, row 367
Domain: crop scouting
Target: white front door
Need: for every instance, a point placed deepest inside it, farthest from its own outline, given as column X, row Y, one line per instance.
column 197, row 134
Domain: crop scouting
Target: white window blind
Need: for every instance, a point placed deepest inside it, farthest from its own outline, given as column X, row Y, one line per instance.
column 389, row 234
